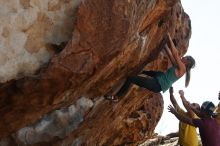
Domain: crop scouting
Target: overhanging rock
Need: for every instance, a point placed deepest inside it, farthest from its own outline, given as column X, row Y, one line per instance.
column 111, row 40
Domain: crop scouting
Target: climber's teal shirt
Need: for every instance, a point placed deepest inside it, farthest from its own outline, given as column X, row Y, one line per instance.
column 167, row 79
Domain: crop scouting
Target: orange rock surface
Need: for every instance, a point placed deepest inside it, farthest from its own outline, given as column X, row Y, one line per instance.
column 112, row 39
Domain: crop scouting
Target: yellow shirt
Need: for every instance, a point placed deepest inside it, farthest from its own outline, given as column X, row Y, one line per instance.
column 187, row 133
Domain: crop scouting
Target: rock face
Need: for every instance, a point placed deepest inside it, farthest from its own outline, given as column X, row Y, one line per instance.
column 27, row 30
column 110, row 41
column 161, row 141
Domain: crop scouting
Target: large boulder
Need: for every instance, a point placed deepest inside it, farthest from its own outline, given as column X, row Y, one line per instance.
column 110, row 41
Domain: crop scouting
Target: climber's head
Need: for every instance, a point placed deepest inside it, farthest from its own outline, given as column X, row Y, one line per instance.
column 189, row 62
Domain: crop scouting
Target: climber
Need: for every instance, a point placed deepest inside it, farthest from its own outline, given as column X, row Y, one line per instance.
column 187, row 133
column 161, row 81
column 209, row 128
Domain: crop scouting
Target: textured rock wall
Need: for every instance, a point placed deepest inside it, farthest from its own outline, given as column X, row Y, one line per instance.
column 59, row 123
column 27, row 30
column 111, row 40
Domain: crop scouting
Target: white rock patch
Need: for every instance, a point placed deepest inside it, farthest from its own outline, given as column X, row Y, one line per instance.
column 26, row 29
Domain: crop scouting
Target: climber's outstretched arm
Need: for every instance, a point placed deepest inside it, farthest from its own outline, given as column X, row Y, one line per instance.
column 181, row 69
column 167, row 50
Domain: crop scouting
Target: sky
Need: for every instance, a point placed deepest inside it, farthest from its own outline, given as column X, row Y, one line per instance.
column 204, row 46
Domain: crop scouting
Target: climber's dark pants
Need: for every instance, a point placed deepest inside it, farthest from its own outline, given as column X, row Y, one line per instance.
column 148, row 83
column 152, row 73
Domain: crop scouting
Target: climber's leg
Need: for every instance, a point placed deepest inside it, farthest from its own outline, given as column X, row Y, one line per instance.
column 111, row 95
column 151, row 73
column 148, row 83
column 124, row 88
